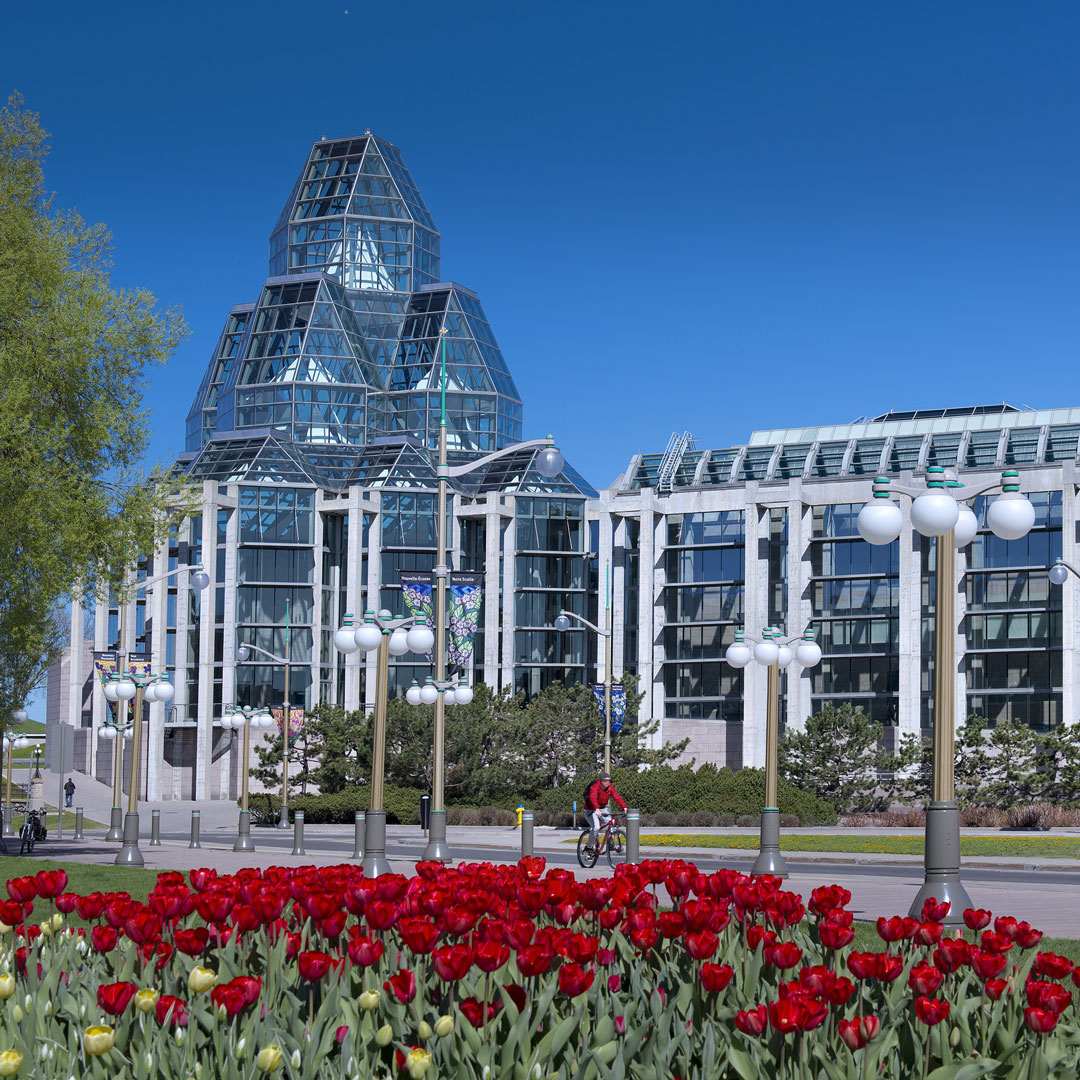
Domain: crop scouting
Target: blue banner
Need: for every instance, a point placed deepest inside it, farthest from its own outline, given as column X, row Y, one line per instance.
column 618, row 704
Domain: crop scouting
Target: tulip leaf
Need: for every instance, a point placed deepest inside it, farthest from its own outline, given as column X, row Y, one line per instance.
column 743, row 1064
column 964, row 1070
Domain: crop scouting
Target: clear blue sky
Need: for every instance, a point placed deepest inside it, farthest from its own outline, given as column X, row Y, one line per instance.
column 702, row 216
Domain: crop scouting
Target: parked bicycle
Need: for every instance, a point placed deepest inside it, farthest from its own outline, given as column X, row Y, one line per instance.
column 33, row 829
column 611, row 842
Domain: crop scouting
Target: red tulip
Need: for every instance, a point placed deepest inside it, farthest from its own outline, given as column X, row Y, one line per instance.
column 202, row 878
column 1048, row 995
column 582, row 948
column 418, row 935
column 516, row 994
column 452, row 962
column 752, row 1021
column 863, row 965
column 834, row 936
column 12, row 912
column 229, row 998
column 319, row 903
column 214, row 906
column 51, row 883
column 381, row 914
column 951, row 954
column 191, row 942
column 715, row 977
column 1040, row 1020
column 928, row 933
column 458, row 920
column 474, row 1011
column 490, row 955
column 976, row 918
column 933, row 911
column 313, row 965
column 758, row 935
column 852, row 1034
column 994, row 942
column 643, row 940
column 575, row 980
column 828, row 898
column 90, row 907
column 1051, row 966
column 364, row 951
column 22, row 889
column 931, row 1011
column 1006, row 925
column 161, row 949
column 924, row 979
column 702, row 944
column 783, row 954
column 605, row 957
column 143, row 926
column 887, row 967
column 65, row 902
column 173, row 1009
column 614, row 983
column 890, row 930
column 104, row 938
column 534, row 960
column 987, row 965
column 670, row 923
column 402, row 986
column 995, row 988
column 250, row 985
column 787, row 1015
column 1027, row 937
column 114, row 997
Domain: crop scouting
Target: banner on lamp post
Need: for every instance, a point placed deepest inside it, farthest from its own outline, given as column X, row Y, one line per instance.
column 106, row 664
column 464, row 599
column 618, row 704
column 296, row 722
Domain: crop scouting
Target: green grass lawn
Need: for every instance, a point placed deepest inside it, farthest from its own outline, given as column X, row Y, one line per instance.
column 1052, row 847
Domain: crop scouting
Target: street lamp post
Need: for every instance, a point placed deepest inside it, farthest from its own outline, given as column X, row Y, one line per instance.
column 243, row 653
column 13, row 742
column 388, row 635
column 773, row 651
column 245, row 717
column 937, row 511
column 562, row 624
column 124, row 689
column 548, row 464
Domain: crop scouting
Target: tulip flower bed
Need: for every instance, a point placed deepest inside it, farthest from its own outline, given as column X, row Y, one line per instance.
column 481, row 972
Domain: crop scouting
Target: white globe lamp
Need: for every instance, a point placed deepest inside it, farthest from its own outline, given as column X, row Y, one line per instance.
column 367, row 635
column 464, row 694
column 1059, row 573
column 784, row 656
column 966, row 527
column 808, row 653
column 399, row 642
column 345, row 638
column 420, row 638
column 766, row 652
column 880, row 521
column 428, row 692
column 934, row 513
column 738, row 654
column 1010, row 516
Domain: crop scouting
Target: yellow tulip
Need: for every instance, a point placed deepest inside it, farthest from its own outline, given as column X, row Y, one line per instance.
column 384, row 1035
column 269, row 1058
column 201, row 979
column 10, row 1060
column 369, row 1000
column 444, row 1025
column 146, row 999
column 417, row 1062
column 98, row 1039
column 7, row 985
column 424, row 1030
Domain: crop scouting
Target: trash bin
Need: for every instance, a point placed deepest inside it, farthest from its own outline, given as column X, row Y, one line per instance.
column 425, row 812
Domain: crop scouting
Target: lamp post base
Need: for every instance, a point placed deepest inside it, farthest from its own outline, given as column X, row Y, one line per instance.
column 130, row 855
column 116, row 822
column 9, row 829
column 283, row 817
column 942, row 864
column 243, row 833
column 375, row 861
column 769, row 860
column 437, row 850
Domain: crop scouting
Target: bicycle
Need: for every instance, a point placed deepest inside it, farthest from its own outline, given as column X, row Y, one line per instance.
column 31, row 832
column 610, row 841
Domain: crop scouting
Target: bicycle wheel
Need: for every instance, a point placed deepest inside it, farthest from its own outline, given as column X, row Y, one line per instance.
column 583, row 857
column 27, row 844
column 616, row 847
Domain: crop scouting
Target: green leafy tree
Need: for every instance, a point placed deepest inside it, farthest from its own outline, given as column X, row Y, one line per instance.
column 31, row 641
column 838, row 757
column 78, row 508
column 268, row 770
column 338, row 748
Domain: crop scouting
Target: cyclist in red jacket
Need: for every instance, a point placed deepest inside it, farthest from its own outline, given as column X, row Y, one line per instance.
column 597, row 796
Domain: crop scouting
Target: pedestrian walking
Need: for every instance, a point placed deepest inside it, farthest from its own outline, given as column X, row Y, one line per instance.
column 69, row 791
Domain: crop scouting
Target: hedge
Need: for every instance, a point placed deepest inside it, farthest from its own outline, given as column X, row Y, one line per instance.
column 664, row 790
column 402, row 806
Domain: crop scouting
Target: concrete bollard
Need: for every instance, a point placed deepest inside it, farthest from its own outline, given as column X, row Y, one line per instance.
column 359, row 820
column 78, row 822
column 155, row 828
column 298, row 833
column 526, row 832
column 633, row 836
column 196, row 821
